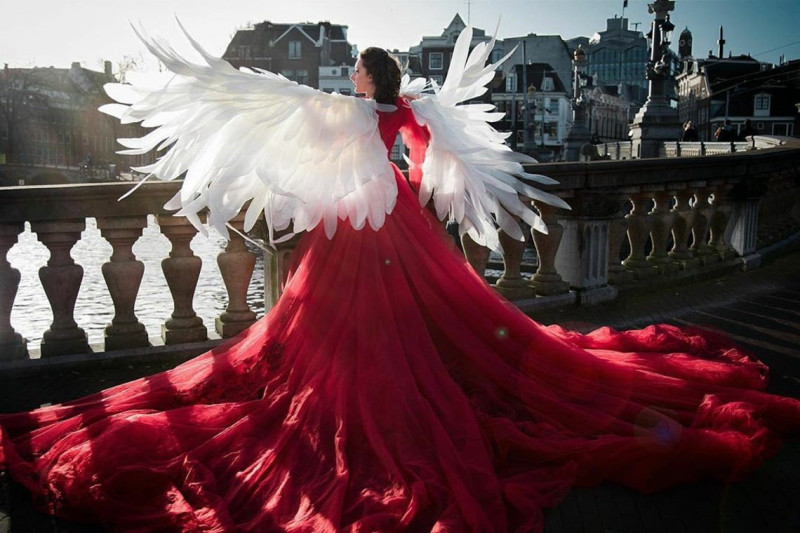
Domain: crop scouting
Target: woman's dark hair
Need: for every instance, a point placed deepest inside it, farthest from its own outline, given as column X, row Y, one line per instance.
column 386, row 74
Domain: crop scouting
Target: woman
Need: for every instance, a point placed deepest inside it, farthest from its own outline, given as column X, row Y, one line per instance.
column 390, row 389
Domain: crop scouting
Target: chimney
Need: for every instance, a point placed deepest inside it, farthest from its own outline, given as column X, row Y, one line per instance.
column 76, row 65
column 107, row 68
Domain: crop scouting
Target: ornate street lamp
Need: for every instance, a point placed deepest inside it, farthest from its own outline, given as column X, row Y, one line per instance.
column 578, row 133
column 657, row 121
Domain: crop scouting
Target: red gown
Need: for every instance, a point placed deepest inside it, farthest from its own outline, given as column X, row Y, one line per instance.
column 391, row 389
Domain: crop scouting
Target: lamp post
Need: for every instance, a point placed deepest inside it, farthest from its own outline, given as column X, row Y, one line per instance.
column 657, row 121
column 578, row 133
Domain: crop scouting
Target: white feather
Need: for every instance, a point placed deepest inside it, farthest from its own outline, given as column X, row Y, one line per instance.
column 243, row 136
column 468, row 170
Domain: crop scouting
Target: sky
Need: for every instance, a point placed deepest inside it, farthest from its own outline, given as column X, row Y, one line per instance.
column 59, row 32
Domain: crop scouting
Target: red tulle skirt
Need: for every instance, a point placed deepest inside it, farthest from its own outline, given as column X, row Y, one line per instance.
column 390, row 389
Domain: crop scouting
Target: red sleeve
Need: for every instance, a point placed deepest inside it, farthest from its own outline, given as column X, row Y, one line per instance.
column 416, row 138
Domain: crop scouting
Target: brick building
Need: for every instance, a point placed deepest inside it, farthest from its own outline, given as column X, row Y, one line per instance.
column 297, row 51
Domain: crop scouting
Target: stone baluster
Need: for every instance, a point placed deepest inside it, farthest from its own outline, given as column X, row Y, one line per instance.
column 61, row 279
column 236, row 266
column 12, row 345
column 181, row 270
column 617, row 232
column 511, row 284
column 702, row 216
column 661, row 223
column 547, row 281
column 718, row 225
column 276, row 270
column 476, row 254
column 638, row 233
column 682, row 225
column 123, row 275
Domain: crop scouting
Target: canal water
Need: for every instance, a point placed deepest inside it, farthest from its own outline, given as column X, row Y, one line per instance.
column 31, row 314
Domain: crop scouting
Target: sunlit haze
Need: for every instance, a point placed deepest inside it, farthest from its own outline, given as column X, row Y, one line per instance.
column 58, row 32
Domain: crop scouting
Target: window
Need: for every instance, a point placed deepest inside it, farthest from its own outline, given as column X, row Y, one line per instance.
column 244, row 52
column 761, row 105
column 497, row 55
column 436, row 61
column 294, row 50
column 345, row 72
column 511, row 83
column 438, row 79
column 302, row 77
column 345, row 92
column 783, row 130
column 547, row 84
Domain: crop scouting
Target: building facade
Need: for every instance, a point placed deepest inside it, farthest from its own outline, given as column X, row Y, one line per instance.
column 617, row 56
column 433, row 54
column 49, row 117
column 737, row 89
column 297, row 51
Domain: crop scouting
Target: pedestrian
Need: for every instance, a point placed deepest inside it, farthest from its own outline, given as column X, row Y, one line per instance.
column 747, row 130
column 725, row 133
column 689, row 134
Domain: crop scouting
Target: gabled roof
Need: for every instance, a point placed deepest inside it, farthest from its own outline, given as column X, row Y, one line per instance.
column 304, row 29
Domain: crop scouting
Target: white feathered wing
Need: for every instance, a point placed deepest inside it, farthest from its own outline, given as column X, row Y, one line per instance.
column 299, row 155
column 468, row 170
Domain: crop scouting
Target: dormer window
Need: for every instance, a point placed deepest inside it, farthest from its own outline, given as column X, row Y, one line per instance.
column 761, row 105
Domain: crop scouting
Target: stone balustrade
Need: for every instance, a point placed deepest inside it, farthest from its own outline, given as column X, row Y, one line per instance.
column 633, row 223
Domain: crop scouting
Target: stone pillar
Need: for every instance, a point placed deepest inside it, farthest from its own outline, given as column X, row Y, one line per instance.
column 61, row 279
column 683, row 221
column 123, row 275
column 181, row 270
column 702, row 215
column 638, row 232
column 12, row 345
column 746, row 196
column 511, row 284
column 276, row 269
column 476, row 254
column 547, row 281
column 719, row 222
column 617, row 232
column 661, row 222
column 236, row 266
column 582, row 257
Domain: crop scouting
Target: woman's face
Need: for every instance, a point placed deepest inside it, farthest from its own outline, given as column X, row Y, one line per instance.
column 362, row 80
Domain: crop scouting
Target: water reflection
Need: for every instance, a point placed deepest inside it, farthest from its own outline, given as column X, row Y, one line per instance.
column 31, row 315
